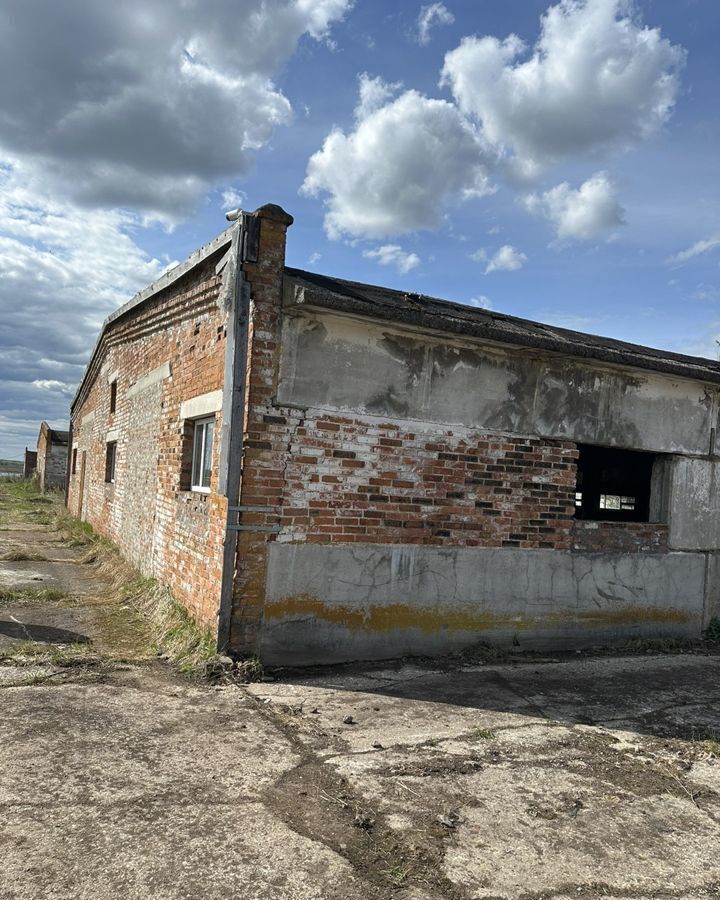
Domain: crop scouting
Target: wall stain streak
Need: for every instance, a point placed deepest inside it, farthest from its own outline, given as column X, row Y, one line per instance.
column 399, row 616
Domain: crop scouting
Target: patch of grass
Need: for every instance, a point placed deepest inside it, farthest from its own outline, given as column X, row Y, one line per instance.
column 397, row 875
column 484, row 734
column 22, row 556
column 77, row 533
column 712, row 632
column 658, row 645
column 59, row 655
column 30, row 596
column 712, row 745
column 170, row 631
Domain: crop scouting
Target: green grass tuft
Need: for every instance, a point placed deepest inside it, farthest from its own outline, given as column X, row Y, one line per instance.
column 30, row 596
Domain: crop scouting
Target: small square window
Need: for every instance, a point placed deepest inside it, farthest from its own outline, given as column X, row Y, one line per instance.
column 202, row 448
column 110, row 458
column 113, row 396
column 613, row 484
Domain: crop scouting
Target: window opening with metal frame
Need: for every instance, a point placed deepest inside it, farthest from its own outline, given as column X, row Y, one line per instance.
column 203, row 433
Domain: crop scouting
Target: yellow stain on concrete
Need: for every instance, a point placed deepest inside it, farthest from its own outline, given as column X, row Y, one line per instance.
column 401, row 616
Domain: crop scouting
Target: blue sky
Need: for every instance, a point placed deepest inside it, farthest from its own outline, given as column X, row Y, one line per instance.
column 550, row 160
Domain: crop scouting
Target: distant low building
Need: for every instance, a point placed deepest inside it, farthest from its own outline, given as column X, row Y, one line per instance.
column 29, row 463
column 51, row 457
column 324, row 470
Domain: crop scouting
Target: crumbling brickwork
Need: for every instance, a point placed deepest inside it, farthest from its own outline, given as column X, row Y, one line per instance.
column 620, row 537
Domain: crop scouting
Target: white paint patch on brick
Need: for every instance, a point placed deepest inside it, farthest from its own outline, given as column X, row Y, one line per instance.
column 148, row 380
column 202, row 405
column 88, row 419
column 113, row 376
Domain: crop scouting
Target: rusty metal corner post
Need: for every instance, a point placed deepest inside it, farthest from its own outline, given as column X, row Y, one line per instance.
column 235, row 298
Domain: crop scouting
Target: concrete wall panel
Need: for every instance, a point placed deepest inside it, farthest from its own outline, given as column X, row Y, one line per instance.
column 695, row 504
column 345, row 602
column 338, row 363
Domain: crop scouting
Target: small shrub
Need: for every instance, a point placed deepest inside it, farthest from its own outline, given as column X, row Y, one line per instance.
column 712, row 632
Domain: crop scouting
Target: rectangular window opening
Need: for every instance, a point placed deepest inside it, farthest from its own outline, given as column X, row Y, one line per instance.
column 110, row 458
column 614, row 485
column 73, row 469
column 202, row 448
column 113, row 396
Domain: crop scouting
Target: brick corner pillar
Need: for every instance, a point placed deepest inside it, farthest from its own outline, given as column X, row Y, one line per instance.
column 264, row 445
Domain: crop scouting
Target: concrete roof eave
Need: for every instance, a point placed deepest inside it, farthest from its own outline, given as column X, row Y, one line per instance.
column 433, row 314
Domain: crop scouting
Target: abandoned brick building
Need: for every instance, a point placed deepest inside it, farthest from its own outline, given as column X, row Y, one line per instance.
column 51, row 457
column 323, row 470
column 30, row 463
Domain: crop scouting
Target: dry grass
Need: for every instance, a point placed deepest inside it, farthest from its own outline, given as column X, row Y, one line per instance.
column 30, row 596
column 22, row 556
column 139, row 617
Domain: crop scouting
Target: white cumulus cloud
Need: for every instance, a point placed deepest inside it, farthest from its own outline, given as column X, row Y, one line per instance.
column 393, row 255
column 595, row 80
column 147, row 104
column 506, row 259
column 397, row 169
column 580, row 213
column 430, row 16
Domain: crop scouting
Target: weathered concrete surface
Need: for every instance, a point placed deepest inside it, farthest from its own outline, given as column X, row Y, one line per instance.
column 588, row 777
column 466, row 383
column 149, row 789
column 695, row 506
column 42, row 574
column 47, row 625
column 346, row 602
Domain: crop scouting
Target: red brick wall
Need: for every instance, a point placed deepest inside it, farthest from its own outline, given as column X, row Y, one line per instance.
column 170, row 533
column 353, row 480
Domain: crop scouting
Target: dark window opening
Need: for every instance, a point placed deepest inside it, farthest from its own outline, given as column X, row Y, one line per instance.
column 613, row 485
column 113, row 396
column 74, row 461
column 110, row 457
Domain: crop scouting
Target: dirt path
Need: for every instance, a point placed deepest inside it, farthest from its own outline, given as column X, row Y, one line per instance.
column 584, row 777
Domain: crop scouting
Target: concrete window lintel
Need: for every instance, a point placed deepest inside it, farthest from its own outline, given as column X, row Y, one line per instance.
column 202, row 405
